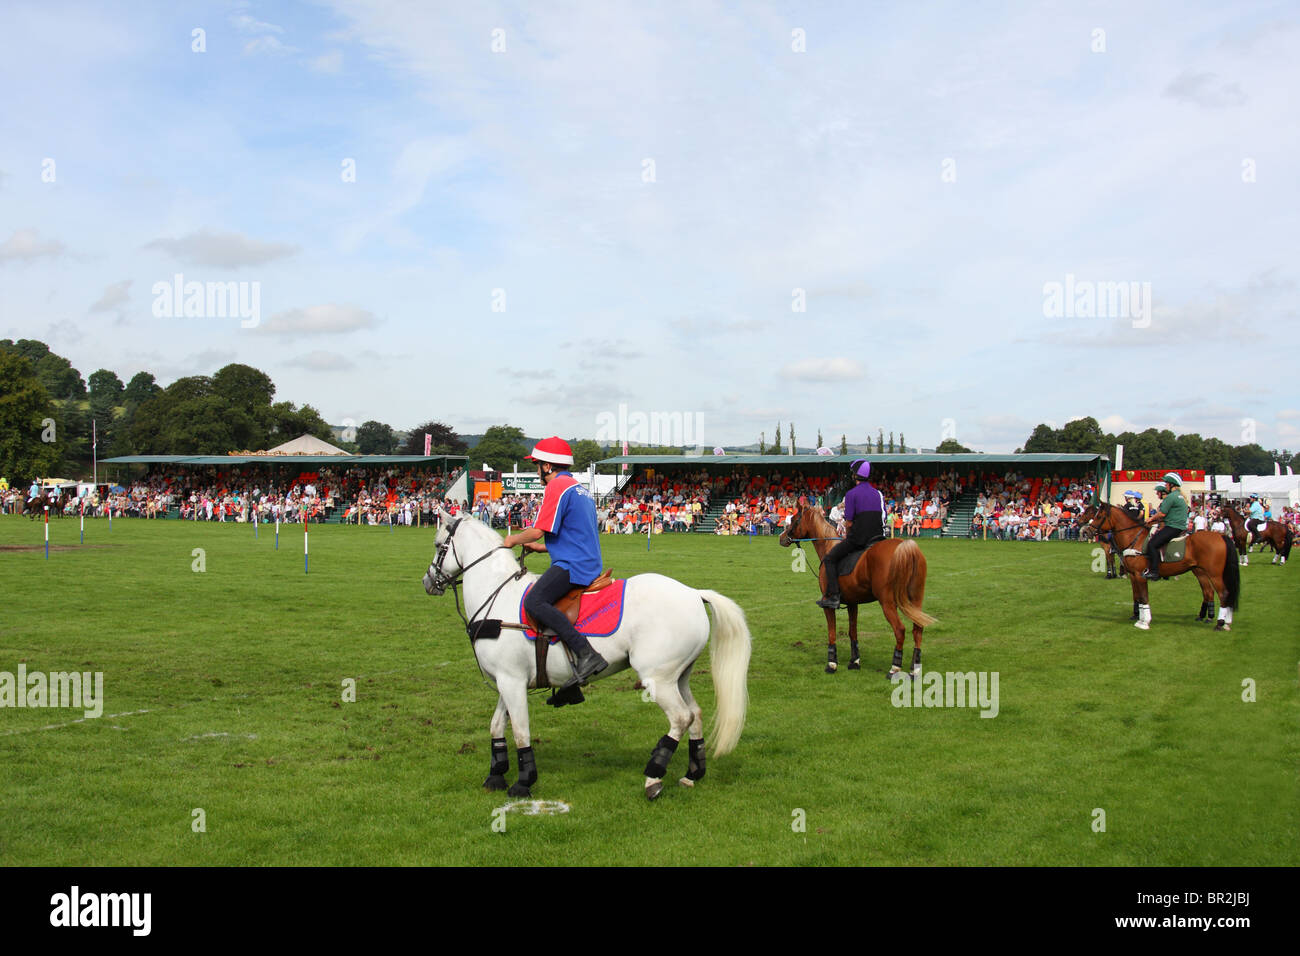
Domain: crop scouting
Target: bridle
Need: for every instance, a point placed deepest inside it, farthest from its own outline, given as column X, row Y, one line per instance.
column 441, row 581
column 1104, row 512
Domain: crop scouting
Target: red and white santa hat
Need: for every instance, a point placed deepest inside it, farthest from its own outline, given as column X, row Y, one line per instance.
column 554, row 449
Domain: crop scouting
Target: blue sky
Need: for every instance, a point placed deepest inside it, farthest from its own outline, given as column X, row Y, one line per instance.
column 915, row 175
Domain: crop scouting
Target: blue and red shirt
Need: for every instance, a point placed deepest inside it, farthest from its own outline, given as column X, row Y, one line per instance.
column 568, row 518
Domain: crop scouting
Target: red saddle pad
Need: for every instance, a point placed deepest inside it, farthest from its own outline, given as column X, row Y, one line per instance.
column 599, row 612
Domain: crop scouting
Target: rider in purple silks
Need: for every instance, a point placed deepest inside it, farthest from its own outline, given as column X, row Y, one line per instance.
column 864, row 516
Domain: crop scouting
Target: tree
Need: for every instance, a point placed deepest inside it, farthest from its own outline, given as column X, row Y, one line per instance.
column 24, row 407
column 793, row 447
column 444, row 440
column 891, row 443
column 1251, row 459
column 500, row 447
column 844, row 445
column 762, row 443
column 950, row 446
column 106, row 385
column 56, row 373
column 1082, row 436
column 141, row 388
column 244, row 387
column 1216, row 457
column 776, row 442
column 880, row 441
column 1043, row 441
column 286, row 422
column 820, row 443
column 375, row 438
column 902, row 443
column 585, row 451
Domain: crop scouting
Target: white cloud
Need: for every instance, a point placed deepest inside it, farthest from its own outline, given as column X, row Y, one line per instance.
column 115, row 295
column 227, row 250
column 327, row 319
column 1205, row 90
column 824, row 370
column 320, row 360
column 26, row 245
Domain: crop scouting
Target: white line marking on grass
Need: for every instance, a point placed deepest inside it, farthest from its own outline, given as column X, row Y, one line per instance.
column 222, row 733
column 79, row 720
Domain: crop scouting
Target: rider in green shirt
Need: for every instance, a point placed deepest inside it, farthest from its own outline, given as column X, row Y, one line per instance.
column 1173, row 513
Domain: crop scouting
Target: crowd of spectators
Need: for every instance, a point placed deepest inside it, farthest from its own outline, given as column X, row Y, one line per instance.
column 404, row 496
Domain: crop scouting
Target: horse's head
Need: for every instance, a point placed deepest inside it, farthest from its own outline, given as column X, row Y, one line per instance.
column 446, row 566
column 791, row 530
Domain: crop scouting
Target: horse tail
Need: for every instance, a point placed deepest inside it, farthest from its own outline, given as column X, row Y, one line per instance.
column 905, row 575
column 732, row 646
column 1231, row 574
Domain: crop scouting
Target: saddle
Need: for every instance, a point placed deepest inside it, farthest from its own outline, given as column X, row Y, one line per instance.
column 849, row 563
column 569, row 606
column 571, row 603
column 1174, row 550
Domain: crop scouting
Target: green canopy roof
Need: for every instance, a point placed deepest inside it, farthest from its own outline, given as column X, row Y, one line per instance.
column 280, row 459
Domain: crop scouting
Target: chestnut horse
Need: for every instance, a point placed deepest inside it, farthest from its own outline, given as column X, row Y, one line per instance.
column 1211, row 556
column 1275, row 533
column 891, row 571
column 1105, row 540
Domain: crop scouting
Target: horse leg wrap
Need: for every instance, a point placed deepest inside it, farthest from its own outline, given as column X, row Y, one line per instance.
column 916, row 659
column 695, row 769
column 663, row 752
column 500, row 757
column 898, row 657
column 527, row 767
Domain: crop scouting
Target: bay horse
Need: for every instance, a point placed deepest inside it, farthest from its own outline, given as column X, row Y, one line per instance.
column 35, row 507
column 663, row 630
column 891, row 571
column 1211, row 556
column 1275, row 534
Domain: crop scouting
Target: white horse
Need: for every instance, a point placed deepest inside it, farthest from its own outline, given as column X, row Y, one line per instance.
column 663, row 630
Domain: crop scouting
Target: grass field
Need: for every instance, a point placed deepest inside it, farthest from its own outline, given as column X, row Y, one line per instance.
column 227, row 691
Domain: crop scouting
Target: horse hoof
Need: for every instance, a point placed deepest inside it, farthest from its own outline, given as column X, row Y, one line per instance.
column 519, row 790
column 1142, row 625
column 686, row 782
column 831, row 668
column 1220, row 626
column 652, row 790
column 494, row 782
column 855, row 664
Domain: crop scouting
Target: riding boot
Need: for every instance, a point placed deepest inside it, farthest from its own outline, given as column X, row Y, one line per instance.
column 832, row 597
column 587, row 663
column 1152, row 573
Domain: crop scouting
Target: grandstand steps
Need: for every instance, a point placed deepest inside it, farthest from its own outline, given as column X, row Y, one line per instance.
column 960, row 514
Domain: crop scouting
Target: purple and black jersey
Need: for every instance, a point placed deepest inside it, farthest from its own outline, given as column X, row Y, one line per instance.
column 864, row 509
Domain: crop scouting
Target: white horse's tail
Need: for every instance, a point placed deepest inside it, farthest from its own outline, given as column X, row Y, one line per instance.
column 731, row 650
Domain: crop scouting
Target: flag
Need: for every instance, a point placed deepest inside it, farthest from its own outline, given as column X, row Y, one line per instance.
column 428, row 443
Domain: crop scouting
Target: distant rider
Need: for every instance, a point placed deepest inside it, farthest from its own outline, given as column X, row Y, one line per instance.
column 864, row 519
